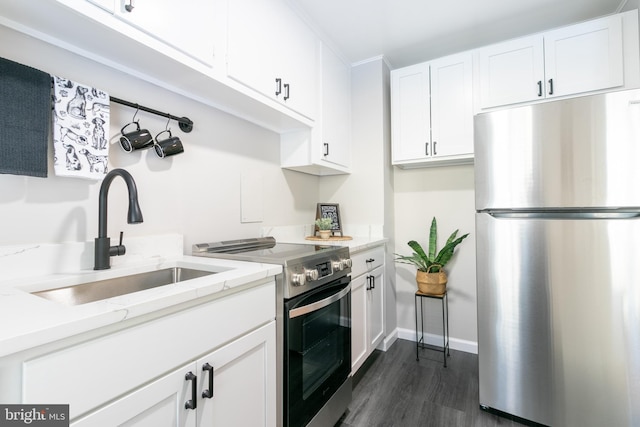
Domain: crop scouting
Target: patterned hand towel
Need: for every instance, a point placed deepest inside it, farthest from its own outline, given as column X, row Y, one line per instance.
column 25, row 99
column 80, row 130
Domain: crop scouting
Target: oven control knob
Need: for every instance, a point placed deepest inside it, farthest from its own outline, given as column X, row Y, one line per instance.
column 298, row 279
column 337, row 266
column 347, row 262
column 312, row 274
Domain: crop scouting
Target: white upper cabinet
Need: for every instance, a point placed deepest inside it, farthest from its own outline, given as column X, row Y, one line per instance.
column 432, row 112
column 584, row 57
column 452, row 106
column 270, row 50
column 410, row 112
column 252, row 45
column 336, row 110
column 325, row 149
column 183, row 46
column 512, row 72
column 184, row 25
column 581, row 58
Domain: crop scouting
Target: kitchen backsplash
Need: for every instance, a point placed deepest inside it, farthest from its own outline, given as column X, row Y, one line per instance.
column 297, row 232
column 32, row 260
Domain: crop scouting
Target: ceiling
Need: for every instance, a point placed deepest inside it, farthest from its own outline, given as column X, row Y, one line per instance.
column 407, row 32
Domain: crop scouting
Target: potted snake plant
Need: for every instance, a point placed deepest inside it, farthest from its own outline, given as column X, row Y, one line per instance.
column 431, row 277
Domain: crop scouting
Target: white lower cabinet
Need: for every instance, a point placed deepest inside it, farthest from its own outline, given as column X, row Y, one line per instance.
column 367, row 304
column 359, row 333
column 227, row 382
column 160, row 403
column 140, row 375
column 242, row 380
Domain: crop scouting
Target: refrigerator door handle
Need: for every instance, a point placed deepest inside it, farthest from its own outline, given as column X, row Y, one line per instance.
column 566, row 215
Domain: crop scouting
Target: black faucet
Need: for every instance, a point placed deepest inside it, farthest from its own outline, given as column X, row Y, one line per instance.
column 103, row 249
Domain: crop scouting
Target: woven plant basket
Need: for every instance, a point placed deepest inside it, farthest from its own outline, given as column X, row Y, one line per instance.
column 432, row 283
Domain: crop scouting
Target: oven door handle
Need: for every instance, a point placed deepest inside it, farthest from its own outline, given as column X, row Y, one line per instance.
column 305, row 309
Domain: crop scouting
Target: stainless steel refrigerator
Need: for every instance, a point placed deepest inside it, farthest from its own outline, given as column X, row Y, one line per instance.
column 558, row 260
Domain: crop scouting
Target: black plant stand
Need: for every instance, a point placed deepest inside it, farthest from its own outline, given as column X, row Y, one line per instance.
column 445, row 325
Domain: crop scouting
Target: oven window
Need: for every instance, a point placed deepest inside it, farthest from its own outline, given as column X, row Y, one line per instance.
column 318, row 355
column 319, row 348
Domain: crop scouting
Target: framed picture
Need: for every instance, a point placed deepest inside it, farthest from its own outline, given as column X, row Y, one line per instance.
column 330, row 210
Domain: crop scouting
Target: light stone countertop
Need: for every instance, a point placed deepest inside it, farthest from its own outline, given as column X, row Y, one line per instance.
column 27, row 320
column 363, row 237
column 357, row 244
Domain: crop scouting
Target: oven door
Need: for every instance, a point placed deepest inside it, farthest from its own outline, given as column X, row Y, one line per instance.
column 317, row 356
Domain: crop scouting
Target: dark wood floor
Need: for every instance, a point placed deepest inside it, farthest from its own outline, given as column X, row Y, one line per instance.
column 393, row 389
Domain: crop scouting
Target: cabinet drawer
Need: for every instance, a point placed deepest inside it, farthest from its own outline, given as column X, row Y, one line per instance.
column 367, row 260
column 89, row 374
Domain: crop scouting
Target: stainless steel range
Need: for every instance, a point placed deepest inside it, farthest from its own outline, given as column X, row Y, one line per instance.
column 313, row 319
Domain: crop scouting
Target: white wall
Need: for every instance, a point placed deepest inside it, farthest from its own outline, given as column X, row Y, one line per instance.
column 448, row 194
column 629, row 5
column 361, row 194
column 196, row 193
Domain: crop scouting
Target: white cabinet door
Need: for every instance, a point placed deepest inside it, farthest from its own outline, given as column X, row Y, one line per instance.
column 451, row 106
column 270, row 50
column 299, row 53
column 576, row 59
column 252, row 45
column 326, row 148
column 243, row 375
column 410, row 112
column 359, row 330
column 512, row 72
column 584, row 57
column 432, row 112
column 235, row 377
column 336, row 109
column 185, row 25
column 367, row 304
column 160, row 403
column 375, row 307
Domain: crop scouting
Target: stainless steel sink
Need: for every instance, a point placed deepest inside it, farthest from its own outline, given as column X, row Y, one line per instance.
column 102, row 289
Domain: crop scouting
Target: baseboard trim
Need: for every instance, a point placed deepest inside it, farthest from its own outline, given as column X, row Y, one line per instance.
column 433, row 339
column 388, row 341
